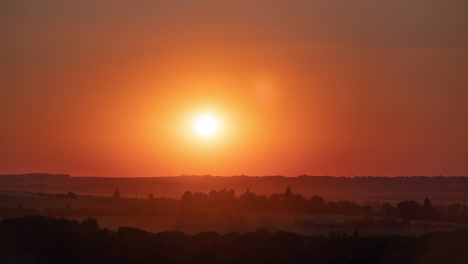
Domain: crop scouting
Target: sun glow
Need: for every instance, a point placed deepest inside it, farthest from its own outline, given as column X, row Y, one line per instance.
column 206, row 125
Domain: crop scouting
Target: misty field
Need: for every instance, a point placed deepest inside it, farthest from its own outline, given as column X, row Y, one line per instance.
column 162, row 214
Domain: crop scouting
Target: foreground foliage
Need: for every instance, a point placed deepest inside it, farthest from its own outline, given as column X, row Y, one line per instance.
column 39, row 239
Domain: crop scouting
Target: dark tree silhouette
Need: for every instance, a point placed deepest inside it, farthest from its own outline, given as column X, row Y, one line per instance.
column 116, row 193
column 89, row 224
column 428, row 212
column 409, row 209
column 47, row 240
column 388, row 211
column 71, row 195
column 317, row 204
column 187, row 196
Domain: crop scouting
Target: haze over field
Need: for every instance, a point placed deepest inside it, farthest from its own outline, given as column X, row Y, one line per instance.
column 148, row 88
column 443, row 190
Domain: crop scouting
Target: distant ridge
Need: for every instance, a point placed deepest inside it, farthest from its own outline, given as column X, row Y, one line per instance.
column 438, row 188
column 36, row 175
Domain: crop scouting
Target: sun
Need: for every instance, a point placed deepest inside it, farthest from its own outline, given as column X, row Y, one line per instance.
column 206, row 125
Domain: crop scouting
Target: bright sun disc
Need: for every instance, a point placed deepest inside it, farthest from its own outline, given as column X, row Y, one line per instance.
column 206, row 125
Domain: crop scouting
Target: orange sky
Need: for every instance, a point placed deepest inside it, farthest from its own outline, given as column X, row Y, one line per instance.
column 300, row 87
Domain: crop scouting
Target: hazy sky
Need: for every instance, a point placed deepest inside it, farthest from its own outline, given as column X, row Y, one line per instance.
column 110, row 88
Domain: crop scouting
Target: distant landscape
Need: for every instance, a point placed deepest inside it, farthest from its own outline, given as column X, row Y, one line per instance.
column 58, row 224
column 441, row 189
column 307, row 204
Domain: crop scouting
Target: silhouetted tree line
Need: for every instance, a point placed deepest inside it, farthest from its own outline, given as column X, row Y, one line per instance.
column 281, row 202
column 69, row 195
column 410, row 209
column 249, row 201
column 48, row 240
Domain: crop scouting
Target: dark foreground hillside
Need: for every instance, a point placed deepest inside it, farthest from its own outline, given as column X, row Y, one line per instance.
column 48, row 240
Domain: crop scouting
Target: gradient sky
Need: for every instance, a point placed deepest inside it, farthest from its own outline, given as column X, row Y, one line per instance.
column 109, row 88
